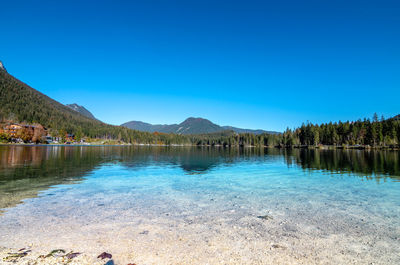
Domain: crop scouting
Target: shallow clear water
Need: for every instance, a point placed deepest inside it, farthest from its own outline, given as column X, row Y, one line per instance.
column 166, row 205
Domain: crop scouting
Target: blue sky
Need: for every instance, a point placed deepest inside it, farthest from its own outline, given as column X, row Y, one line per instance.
column 253, row 64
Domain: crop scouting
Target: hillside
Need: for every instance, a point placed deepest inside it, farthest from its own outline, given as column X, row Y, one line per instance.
column 189, row 126
column 82, row 110
column 22, row 103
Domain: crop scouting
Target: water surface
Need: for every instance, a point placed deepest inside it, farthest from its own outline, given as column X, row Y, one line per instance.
column 176, row 205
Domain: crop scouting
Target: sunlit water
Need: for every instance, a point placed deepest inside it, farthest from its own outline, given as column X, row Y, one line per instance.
column 160, row 205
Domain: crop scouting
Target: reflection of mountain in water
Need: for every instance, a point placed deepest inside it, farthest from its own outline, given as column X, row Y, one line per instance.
column 26, row 170
column 192, row 160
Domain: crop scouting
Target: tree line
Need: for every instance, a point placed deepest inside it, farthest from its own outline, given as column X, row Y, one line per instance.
column 376, row 132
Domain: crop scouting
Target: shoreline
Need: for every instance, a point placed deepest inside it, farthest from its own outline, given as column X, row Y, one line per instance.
column 320, row 147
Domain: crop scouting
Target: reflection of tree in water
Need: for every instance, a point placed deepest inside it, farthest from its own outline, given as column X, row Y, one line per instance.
column 202, row 159
column 26, row 170
column 367, row 163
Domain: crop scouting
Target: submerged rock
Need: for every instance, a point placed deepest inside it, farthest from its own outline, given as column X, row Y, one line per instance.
column 56, row 253
column 14, row 257
column 105, row 255
column 265, row 217
column 278, row 246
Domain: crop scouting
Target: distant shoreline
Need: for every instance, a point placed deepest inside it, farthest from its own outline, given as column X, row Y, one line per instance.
column 320, row 147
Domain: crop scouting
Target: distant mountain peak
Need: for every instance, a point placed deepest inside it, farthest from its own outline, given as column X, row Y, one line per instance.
column 81, row 109
column 196, row 120
column 190, row 119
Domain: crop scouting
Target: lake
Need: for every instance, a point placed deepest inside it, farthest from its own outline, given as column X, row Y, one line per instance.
column 188, row 205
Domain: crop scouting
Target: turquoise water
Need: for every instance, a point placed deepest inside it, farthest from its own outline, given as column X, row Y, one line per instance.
column 191, row 204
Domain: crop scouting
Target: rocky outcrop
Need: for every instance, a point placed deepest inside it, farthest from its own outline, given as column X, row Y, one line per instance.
column 2, row 66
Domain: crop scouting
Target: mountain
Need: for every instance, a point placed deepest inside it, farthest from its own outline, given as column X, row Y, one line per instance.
column 22, row 103
column 82, row 110
column 189, row 126
column 197, row 126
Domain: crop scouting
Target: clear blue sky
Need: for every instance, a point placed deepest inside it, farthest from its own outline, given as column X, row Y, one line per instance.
column 253, row 64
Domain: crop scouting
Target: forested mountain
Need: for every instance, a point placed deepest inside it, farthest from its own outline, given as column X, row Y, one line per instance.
column 189, row 126
column 21, row 103
column 197, row 126
column 81, row 109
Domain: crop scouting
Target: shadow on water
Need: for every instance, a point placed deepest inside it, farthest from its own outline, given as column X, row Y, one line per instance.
column 27, row 170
